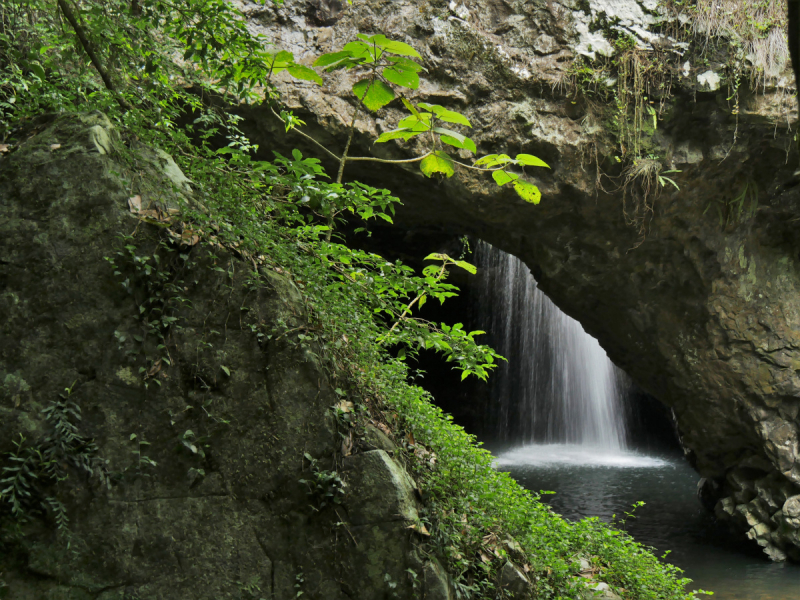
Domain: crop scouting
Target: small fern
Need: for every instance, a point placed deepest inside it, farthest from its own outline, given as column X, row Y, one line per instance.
column 33, row 470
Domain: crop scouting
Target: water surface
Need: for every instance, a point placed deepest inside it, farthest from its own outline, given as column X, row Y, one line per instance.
column 594, row 482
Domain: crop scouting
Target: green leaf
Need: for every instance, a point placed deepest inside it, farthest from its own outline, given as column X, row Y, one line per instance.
column 39, row 71
column 527, row 191
column 280, row 61
column 449, row 116
column 388, row 45
column 405, row 63
column 469, row 267
column 416, row 120
column 360, row 51
column 493, row 160
column 528, row 160
column 373, row 93
column 332, row 60
column 304, row 73
column 411, row 108
column 226, row 370
column 402, row 77
column 437, row 256
column 400, row 48
column 454, row 138
column 502, row 178
column 438, row 162
column 397, row 134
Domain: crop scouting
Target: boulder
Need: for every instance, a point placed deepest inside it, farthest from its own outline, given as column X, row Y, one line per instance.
column 195, row 486
column 513, row 581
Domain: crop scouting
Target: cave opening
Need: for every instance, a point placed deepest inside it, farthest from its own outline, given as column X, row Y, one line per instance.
column 560, row 417
column 557, row 386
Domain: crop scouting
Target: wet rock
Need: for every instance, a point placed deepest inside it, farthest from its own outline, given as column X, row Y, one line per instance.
column 514, row 581
column 725, row 508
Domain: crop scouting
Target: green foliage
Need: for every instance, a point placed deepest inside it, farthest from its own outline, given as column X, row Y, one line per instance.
column 324, row 487
column 384, row 62
column 30, row 479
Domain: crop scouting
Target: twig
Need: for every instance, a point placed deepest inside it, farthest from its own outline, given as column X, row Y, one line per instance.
column 343, row 522
column 305, row 135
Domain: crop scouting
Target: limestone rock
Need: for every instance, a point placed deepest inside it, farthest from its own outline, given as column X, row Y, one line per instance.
column 791, row 508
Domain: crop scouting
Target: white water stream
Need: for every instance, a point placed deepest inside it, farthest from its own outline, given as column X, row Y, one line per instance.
column 559, row 387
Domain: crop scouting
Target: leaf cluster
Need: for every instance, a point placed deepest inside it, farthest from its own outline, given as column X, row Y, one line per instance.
column 29, row 482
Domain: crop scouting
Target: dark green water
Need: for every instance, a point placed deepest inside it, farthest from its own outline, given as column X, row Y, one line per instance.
column 591, row 482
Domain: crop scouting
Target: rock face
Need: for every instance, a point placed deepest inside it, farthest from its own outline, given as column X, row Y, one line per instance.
column 701, row 306
column 184, row 477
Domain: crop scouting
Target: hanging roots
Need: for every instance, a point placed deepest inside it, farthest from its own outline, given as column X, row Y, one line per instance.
column 639, row 191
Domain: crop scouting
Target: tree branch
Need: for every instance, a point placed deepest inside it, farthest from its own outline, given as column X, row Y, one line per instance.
column 65, row 8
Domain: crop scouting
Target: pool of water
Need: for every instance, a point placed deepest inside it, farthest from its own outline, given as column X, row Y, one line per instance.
column 592, row 482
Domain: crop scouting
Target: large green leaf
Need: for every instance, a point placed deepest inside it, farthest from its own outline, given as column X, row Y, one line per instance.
column 438, row 162
column 406, row 63
column 502, row 178
column 529, row 160
column 469, row 267
column 389, row 45
column 373, row 93
column 493, row 160
column 304, row 73
column 402, row 76
column 448, row 136
column 334, row 60
column 528, row 191
column 449, row 116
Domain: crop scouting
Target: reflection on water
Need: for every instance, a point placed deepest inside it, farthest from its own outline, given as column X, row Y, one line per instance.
column 590, row 483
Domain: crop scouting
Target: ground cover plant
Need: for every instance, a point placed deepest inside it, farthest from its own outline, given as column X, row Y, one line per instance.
column 151, row 65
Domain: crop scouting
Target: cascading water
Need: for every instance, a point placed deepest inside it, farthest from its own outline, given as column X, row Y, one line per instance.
column 559, row 387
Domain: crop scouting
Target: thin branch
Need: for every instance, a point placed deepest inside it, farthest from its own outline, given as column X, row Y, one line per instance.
column 305, row 135
column 389, row 160
column 343, row 160
column 489, row 170
column 65, row 8
column 410, row 306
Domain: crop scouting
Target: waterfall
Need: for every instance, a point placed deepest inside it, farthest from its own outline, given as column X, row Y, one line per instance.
column 558, row 386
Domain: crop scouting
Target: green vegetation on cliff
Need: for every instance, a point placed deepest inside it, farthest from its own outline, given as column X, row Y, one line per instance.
column 163, row 71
